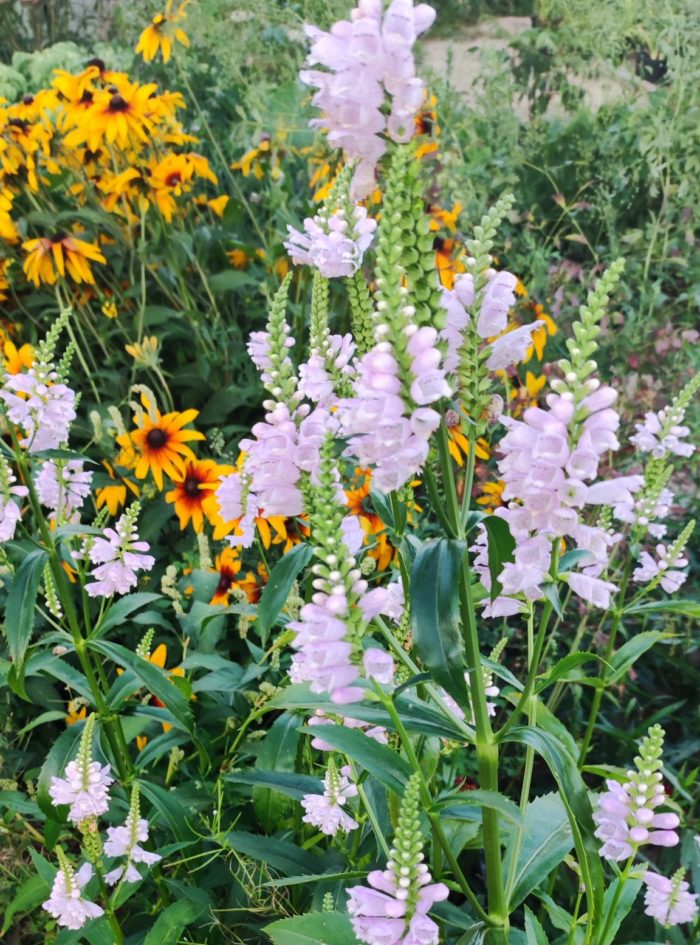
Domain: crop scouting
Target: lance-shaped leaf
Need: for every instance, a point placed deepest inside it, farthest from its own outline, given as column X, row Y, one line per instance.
column 435, row 621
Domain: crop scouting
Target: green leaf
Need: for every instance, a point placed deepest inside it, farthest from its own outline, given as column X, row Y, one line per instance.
column 170, row 923
column 574, row 796
column 623, row 902
column 551, row 592
column 277, row 752
column 416, row 716
column 572, row 558
column 435, row 619
column 280, row 855
column 379, row 760
column 629, row 652
column 316, row 878
column 21, row 603
column 230, row 280
column 289, row 783
column 461, row 807
column 123, row 608
column 686, row 606
column 277, row 589
column 170, row 809
column 32, row 891
column 152, row 677
column 501, row 548
column 314, row 928
column 546, row 839
column 63, row 750
column 566, row 670
column 534, row 932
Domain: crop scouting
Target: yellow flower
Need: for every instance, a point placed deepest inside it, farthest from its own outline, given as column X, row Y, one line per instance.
column 540, row 335
column 124, row 116
column 160, row 33
column 445, row 218
column 109, row 309
column 17, row 359
column 4, row 281
column 51, row 257
column 447, row 260
column 114, row 497
column 492, row 496
column 76, row 711
column 193, row 494
column 238, row 258
column 218, row 204
column 229, row 565
column 159, row 442
column 144, row 353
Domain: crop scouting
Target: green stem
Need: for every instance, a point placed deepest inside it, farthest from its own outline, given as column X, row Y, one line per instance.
column 434, row 819
column 468, row 482
column 529, row 764
column 451, row 499
column 487, row 762
column 609, row 647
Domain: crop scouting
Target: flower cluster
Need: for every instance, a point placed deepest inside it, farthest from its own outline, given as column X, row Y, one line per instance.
column 10, row 512
column 669, row 901
column 42, row 405
column 326, row 811
column 393, row 908
column 118, row 556
column 367, row 58
column 626, row 816
column 332, row 243
column 62, row 486
column 85, row 788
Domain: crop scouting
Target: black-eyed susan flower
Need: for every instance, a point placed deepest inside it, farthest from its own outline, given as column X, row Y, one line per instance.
column 145, row 352
column 159, row 442
column 458, row 443
column 123, row 115
column 109, row 309
column 49, row 258
column 193, row 492
column 162, row 31
column 540, row 335
column 448, row 260
column 4, row 281
column 76, row 711
column 358, row 502
column 229, row 567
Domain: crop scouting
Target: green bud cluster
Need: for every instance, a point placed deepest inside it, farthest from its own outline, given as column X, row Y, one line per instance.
column 283, row 382
column 406, row 854
column 143, row 648
column 46, row 350
column 474, row 379
column 320, row 335
column 578, row 368
column 53, row 602
column 335, row 566
column 361, row 312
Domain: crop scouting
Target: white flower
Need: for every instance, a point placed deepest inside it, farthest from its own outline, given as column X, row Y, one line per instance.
column 325, row 811
column 44, row 408
column 65, row 903
column 669, row 901
column 124, row 841
column 119, row 555
column 63, row 486
column 85, row 787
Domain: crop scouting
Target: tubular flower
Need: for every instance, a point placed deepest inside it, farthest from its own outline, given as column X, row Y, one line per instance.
column 669, row 901
column 125, row 840
column 625, row 817
column 326, row 811
column 160, row 443
column 193, row 492
column 44, row 407
column 66, row 904
column 63, row 486
column 366, row 59
column 85, row 786
column 118, row 556
column 51, row 257
column 662, row 434
column 162, row 31
column 393, row 909
column 10, row 511
column 331, row 244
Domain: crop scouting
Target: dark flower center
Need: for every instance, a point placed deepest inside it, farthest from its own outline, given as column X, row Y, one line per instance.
column 191, row 487
column 118, row 104
column 100, row 63
column 27, row 99
column 224, row 584
column 58, row 237
column 18, row 123
column 156, row 438
column 86, row 97
column 172, row 179
column 438, row 244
